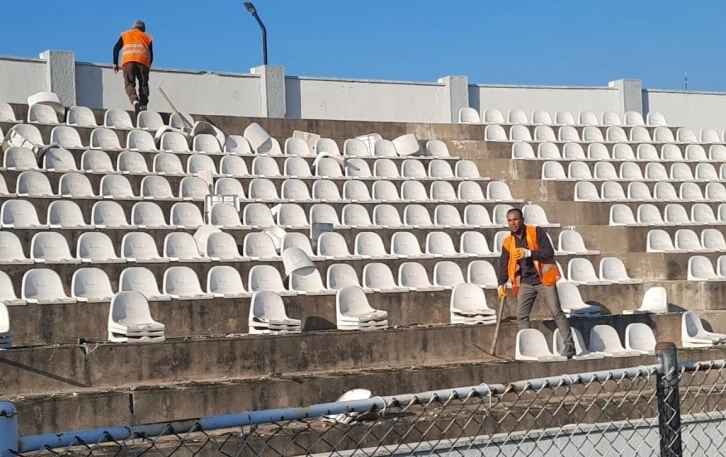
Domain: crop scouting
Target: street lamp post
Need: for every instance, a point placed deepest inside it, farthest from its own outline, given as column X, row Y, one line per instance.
column 253, row 11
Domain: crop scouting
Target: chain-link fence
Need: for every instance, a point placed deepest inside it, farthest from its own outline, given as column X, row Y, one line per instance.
column 662, row 409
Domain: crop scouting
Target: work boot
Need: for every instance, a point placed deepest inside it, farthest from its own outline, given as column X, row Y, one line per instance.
column 569, row 350
column 137, row 107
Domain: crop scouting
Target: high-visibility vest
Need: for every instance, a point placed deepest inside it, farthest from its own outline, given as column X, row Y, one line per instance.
column 547, row 269
column 136, row 47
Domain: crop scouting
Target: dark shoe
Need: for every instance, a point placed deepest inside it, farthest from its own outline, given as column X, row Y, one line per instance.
column 137, row 108
column 569, row 350
column 142, row 108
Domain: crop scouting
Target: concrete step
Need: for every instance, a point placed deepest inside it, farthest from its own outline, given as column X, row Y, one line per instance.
column 144, row 403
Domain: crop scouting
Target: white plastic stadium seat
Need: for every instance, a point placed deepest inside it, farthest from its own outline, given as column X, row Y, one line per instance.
column 341, row 275
column 156, row 188
column 693, row 335
column 131, row 162
column 174, row 142
column 182, row 283
column 520, row 133
column 353, row 147
column 130, row 320
column 384, row 148
column 468, row 116
column 468, row 305
column 63, row 214
column 140, row 140
column 447, row 274
column 91, row 285
column 106, row 139
column 237, row 145
column 266, row 277
column 11, row 250
column 43, row 286
column 224, row 281
column 353, row 312
column 379, row 278
column 605, row 339
column 206, row 143
column 531, row 345
column 437, row 148
column 117, row 119
column 234, row 167
column 143, row 281
column 33, row 184
column 268, row 315
column 149, row 120
column 521, row 150
column 116, row 187
column 495, row 133
column 413, row 276
column 370, row 245
column 79, row 116
column 482, row 273
column 42, row 114
column 182, row 247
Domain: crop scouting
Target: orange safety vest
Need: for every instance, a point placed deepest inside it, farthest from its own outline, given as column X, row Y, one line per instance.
column 136, row 47
column 547, row 269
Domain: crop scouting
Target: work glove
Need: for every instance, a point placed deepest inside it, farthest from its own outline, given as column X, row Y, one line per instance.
column 502, row 291
column 521, row 253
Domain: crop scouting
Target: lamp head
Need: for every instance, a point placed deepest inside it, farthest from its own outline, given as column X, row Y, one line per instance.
column 251, row 8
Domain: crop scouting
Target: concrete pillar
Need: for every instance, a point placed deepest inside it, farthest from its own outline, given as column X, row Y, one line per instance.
column 630, row 97
column 60, row 74
column 457, row 95
column 272, row 85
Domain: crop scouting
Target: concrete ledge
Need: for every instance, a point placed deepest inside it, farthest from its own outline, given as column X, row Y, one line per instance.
column 68, row 368
column 43, row 414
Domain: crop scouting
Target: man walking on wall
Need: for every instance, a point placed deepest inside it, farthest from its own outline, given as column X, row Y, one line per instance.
column 527, row 262
column 137, row 54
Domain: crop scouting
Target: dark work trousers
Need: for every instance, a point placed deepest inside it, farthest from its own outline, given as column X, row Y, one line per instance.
column 133, row 72
column 525, row 300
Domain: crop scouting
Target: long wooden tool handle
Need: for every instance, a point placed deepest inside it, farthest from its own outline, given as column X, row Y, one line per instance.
column 493, row 349
column 173, row 108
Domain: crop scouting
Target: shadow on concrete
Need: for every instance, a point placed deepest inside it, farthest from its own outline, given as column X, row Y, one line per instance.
column 314, row 323
column 89, row 87
column 293, row 100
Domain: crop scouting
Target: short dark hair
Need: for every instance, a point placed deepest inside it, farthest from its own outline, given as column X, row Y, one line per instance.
column 516, row 210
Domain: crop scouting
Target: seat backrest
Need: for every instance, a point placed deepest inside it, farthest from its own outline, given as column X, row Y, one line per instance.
column 437, row 148
column 49, row 246
column 59, row 160
column 470, row 191
column 468, row 297
column 520, row 150
column 474, row 243
column 139, row 279
column 295, row 190
column 416, row 215
column 553, row 170
column 442, row 190
column 156, row 187
column 326, row 145
column 296, row 167
column 103, row 138
column 42, row 284
column 385, row 168
column 149, row 120
column 140, row 140
column 440, row 243
column 75, row 185
column 197, row 163
column 369, row 243
column 412, row 168
column 180, row 245
column 116, row 186
column 332, row 244
column 354, row 190
column 96, row 161
column 131, row 162
column 353, row 147
column 11, row 249
column 193, row 188
column 181, row 281
column 384, row 148
column 222, row 245
column 493, row 116
column 147, row 214
column 413, row 274
column 447, row 215
column 237, row 144
column 549, row 151
column 168, row 164
column 477, row 215
column 357, row 168
column 91, row 283
column 207, row 143
column 174, row 142
column 186, row 214
column 33, row 184
column 323, row 213
column 259, row 245
column 224, row 279
column 265, row 277
column 405, row 243
column 117, row 119
column 378, row 276
column 341, row 275
column 326, row 190
column 65, row 213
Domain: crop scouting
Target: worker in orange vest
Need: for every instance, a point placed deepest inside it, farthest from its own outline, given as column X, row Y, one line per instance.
column 137, row 54
column 527, row 262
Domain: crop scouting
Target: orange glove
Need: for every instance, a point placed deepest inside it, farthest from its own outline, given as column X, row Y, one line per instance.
column 521, row 253
column 502, row 291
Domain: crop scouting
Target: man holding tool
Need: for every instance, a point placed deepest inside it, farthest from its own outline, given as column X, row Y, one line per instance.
column 527, row 263
column 137, row 54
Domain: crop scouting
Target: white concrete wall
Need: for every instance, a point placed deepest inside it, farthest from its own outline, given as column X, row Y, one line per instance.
column 195, row 92
column 20, row 78
column 387, row 101
column 552, row 99
column 696, row 110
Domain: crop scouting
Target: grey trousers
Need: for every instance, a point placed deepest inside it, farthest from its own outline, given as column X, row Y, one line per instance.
column 525, row 300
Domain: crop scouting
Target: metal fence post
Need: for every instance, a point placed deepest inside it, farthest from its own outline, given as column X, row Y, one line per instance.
column 669, row 401
column 8, row 428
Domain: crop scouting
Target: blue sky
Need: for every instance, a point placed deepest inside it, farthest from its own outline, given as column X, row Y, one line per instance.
column 560, row 42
